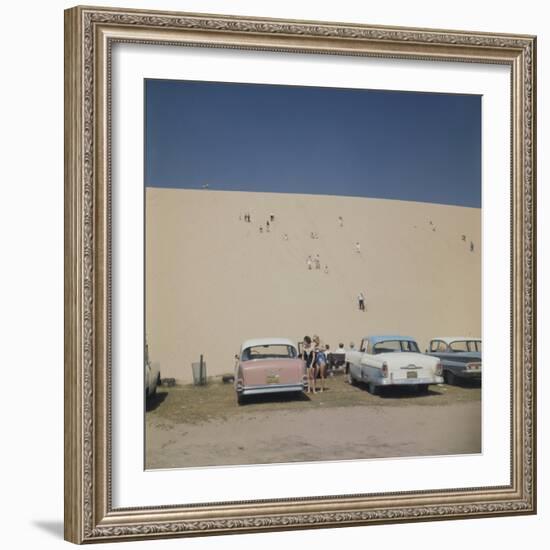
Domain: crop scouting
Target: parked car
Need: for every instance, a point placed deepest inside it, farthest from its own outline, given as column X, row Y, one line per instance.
column 459, row 355
column 268, row 365
column 392, row 360
column 152, row 375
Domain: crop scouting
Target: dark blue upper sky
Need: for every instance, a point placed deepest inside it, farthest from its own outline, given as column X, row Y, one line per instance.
column 290, row 139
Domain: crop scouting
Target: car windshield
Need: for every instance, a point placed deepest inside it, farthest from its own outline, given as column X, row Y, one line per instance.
column 388, row 346
column 269, row 351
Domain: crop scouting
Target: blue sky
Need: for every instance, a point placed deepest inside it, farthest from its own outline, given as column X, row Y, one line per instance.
column 290, row 139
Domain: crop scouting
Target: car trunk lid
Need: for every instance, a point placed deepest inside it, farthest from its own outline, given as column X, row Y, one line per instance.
column 272, row 371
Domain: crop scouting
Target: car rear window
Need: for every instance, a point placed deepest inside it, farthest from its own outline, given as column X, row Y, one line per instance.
column 388, row 346
column 459, row 345
column 270, row 351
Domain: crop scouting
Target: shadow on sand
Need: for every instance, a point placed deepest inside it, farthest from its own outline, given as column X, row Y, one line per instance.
column 467, row 384
column 275, row 398
column 155, row 401
column 408, row 392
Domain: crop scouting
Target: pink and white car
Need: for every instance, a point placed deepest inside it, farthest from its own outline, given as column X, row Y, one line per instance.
column 268, row 365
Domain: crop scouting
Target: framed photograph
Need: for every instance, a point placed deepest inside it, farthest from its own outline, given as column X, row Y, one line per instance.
column 299, row 274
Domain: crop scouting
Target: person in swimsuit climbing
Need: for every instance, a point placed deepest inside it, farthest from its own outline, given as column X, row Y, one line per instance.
column 308, row 355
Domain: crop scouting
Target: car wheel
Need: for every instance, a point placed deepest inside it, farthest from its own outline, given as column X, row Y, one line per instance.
column 373, row 389
column 423, row 388
column 451, row 378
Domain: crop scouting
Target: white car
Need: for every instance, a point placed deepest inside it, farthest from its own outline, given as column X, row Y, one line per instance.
column 152, row 375
column 392, row 360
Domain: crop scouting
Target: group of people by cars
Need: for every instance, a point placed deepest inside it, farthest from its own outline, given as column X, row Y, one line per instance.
column 274, row 365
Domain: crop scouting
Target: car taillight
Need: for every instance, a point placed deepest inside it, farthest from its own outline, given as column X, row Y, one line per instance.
column 239, row 385
column 438, row 369
column 385, row 370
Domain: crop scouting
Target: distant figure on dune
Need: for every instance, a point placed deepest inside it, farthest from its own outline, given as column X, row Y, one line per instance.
column 272, row 217
column 463, row 237
column 361, row 301
column 309, row 262
column 285, row 236
column 357, row 248
column 326, row 269
column 471, row 246
column 267, row 225
column 261, row 229
column 341, row 221
column 317, row 262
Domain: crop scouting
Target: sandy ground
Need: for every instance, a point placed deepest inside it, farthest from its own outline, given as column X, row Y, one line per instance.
column 213, row 280
column 342, row 423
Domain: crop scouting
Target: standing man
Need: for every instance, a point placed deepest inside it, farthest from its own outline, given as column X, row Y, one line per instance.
column 357, row 247
column 361, row 301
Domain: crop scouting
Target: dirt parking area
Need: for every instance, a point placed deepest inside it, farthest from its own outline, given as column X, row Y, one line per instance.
column 189, row 426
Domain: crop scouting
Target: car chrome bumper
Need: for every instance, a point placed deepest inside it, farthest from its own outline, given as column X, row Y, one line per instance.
column 411, row 381
column 271, row 388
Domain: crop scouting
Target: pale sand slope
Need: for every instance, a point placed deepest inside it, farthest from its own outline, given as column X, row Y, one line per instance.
column 213, row 281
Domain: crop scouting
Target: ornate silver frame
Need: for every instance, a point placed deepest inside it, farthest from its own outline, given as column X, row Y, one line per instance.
column 89, row 35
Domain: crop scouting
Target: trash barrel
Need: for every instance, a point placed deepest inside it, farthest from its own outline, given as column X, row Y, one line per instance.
column 199, row 372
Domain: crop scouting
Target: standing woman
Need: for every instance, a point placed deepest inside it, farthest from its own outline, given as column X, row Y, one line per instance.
column 320, row 360
column 308, row 355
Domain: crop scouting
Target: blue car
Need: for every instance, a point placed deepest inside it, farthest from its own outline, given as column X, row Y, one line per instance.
column 460, row 357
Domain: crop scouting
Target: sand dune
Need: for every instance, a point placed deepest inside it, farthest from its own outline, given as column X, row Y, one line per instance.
column 213, row 280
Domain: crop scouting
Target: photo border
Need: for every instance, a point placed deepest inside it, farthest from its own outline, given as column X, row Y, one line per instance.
column 89, row 36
